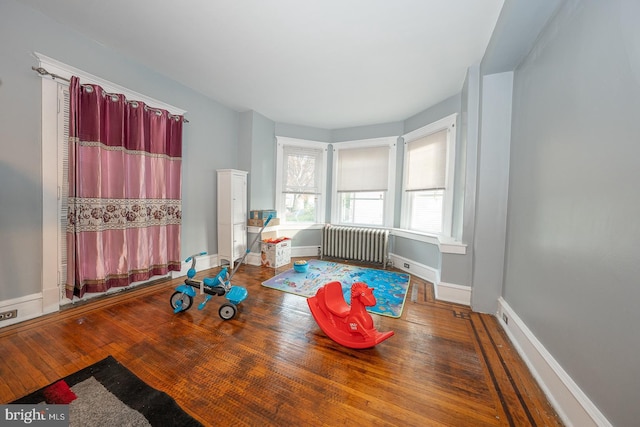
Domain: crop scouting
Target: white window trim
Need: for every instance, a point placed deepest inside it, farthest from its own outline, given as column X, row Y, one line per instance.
column 389, row 201
column 51, row 187
column 448, row 122
column 50, row 193
column 281, row 141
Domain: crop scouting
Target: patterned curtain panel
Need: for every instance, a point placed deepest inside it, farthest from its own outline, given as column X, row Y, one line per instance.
column 124, row 191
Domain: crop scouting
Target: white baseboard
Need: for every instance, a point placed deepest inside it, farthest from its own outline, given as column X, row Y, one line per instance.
column 572, row 405
column 451, row 292
column 448, row 292
column 422, row 271
column 28, row 307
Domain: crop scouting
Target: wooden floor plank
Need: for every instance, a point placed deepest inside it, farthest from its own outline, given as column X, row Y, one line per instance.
column 273, row 365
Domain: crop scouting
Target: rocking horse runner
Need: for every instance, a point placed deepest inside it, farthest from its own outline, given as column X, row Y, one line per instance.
column 351, row 326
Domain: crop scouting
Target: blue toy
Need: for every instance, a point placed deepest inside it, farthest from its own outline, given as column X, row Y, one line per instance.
column 220, row 285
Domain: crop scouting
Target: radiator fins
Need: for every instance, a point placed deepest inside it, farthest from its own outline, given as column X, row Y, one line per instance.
column 357, row 244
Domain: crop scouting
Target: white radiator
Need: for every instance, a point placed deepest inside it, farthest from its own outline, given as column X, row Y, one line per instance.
column 354, row 243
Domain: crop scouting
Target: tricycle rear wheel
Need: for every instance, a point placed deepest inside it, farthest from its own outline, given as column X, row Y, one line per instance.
column 227, row 311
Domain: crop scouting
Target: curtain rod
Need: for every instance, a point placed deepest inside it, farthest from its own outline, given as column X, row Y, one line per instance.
column 44, row 72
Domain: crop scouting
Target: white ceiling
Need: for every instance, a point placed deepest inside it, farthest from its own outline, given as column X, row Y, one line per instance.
column 322, row 63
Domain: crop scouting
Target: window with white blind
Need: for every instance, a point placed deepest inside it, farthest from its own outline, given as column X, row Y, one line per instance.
column 429, row 161
column 364, row 180
column 300, row 180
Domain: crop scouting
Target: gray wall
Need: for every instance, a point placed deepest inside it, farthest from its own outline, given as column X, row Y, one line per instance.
column 207, row 139
column 302, row 132
column 436, row 112
column 573, row 235
column 466, row 181
column 492, row 188
column 420, row 252
column 257, row 155
column 367, row 132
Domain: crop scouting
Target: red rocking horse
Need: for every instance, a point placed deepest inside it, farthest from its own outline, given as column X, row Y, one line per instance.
column 350, row 326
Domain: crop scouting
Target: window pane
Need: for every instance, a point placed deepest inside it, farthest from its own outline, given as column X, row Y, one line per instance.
column 362, row 208
column 426, row 210
column 300, row 207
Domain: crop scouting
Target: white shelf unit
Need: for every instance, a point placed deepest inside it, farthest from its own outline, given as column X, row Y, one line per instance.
column 232, row 215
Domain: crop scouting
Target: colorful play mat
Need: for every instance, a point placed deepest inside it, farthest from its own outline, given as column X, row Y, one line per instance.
column 390, row 288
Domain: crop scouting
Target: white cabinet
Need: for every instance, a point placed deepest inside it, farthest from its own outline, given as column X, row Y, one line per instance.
column 232, row 215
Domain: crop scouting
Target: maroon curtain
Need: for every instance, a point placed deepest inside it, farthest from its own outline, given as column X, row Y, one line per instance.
column 124, row 191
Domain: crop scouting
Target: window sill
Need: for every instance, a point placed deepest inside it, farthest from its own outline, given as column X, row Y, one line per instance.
column 446, row 245
column 256, row 230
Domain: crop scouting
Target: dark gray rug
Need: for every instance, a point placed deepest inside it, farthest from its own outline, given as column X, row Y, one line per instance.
column 108, row 394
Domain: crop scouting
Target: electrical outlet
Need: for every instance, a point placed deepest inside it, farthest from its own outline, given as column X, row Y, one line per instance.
column 406, row 265
column 505, row 318
column 8, row 314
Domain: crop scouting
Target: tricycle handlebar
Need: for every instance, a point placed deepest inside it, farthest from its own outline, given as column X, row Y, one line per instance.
column 192, row 258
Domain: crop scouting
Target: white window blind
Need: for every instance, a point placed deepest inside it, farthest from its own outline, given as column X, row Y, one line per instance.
column 302, row 168
column 427, row 162
column 363, row 169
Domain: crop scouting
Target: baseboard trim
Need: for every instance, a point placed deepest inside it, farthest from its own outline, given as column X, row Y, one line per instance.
column 28, row 306
column 571, row 403
column 422, row 271
column 444, row 291
column 451, row 292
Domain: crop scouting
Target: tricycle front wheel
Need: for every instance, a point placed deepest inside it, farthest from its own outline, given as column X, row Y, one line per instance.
column 182, row 300
column 227, row 311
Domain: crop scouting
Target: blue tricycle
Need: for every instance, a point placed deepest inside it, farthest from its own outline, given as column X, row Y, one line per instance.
column 220, row 285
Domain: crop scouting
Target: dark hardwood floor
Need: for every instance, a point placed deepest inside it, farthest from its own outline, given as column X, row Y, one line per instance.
column 272, row 365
